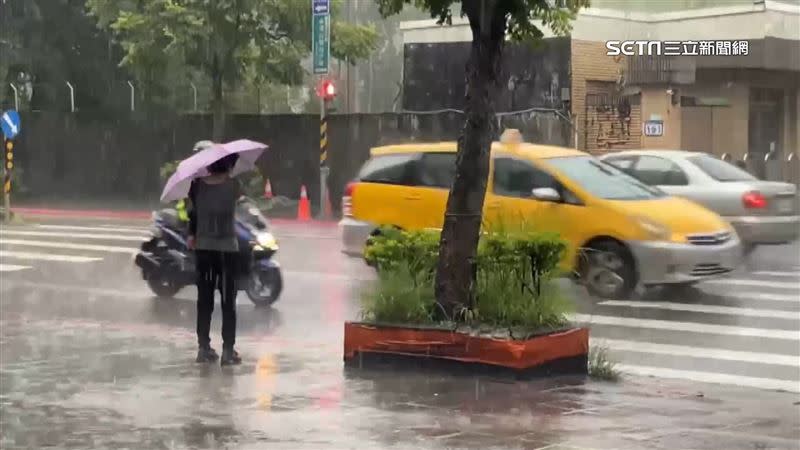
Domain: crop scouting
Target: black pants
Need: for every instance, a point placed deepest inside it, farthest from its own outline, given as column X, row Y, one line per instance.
column 216, row 270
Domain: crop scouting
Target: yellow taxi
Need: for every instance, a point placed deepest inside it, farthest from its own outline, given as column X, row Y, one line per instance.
column 620, row 232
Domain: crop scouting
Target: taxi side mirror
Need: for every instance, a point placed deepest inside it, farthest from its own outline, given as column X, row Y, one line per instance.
column 546, row 194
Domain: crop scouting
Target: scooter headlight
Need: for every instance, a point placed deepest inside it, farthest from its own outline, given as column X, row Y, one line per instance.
column 266, row 240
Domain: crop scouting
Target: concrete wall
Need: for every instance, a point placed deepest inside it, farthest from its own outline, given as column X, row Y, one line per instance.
column 84, row 156
column 657, row 105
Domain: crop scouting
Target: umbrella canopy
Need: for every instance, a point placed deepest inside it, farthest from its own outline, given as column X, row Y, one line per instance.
column 195, row 166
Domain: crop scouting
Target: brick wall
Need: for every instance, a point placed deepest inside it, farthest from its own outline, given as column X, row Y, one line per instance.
column 594, row 73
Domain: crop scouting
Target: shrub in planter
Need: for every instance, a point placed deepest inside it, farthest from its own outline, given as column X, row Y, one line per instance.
column 518, row 308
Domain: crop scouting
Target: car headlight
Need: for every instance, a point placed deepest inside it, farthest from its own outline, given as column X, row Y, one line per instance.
column 267, row 240
column 656, row 231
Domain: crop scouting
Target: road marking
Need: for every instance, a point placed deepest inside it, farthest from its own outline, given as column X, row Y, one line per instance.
column 711, row 377
column 760, row 296
column 12, row 268
column 711, row 309
column 771, row 273
column 754, row 283
column 691, row 327
column 65, row 245
column 137, row 231
column 47, row 257
column 697, row 352
column 110, row 237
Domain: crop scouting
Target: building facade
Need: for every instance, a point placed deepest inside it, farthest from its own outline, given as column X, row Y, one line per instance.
column 744, row 106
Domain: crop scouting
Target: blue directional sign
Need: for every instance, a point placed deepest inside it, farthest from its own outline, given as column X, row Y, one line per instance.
column 10, row 123
column 320, row 36
column 320, row 7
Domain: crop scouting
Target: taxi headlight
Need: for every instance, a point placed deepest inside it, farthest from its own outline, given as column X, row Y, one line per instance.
column 656, row 231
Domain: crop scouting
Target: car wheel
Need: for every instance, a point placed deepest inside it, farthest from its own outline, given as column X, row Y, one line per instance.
column 608, row 270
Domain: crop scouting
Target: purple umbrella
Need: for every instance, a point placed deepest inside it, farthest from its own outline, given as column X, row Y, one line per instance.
column 195, row 166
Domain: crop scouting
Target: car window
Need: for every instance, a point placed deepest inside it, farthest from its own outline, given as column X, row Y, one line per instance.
column 602, row 179
column 624, row 163
column 720, row 170
column 515, row 178
column 437, row 170
column 657, row 171
column 390, row 169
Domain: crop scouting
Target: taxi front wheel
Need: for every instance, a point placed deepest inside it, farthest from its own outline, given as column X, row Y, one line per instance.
column 607, row 270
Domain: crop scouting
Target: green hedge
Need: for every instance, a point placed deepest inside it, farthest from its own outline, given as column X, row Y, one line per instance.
column 513, row 285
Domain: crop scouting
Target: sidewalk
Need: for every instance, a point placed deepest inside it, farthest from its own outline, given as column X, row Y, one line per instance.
column 78, row 213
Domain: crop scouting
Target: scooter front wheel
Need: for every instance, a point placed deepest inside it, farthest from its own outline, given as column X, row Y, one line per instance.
column 264, row 287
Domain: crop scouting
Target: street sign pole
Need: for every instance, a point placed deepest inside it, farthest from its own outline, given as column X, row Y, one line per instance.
column 321, row 49
column 8, row 149
column 10, row 126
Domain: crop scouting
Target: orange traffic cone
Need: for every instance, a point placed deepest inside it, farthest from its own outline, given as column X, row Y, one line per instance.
column 303, row 207
column 268, row 190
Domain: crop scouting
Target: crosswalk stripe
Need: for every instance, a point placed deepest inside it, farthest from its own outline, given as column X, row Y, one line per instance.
column 754, row 283
column 108, row 237
column 47, row 257
column 711, row 377
column 711, row 309
column 697, row 352
column 762, row 296
column 691, row 327
column 106, row 229
column 12, row 267
column 771, row 273
column 70, row 246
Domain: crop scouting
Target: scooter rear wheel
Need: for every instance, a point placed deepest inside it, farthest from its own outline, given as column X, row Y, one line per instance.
column 163, row 288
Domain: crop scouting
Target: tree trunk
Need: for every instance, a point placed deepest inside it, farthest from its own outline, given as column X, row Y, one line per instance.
column 218, row 105
column 462, row 221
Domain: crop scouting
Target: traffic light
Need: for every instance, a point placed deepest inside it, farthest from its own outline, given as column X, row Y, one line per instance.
column 9, row 154
column 326, row 89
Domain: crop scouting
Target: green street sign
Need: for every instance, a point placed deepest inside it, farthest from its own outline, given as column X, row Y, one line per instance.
column 320, row 38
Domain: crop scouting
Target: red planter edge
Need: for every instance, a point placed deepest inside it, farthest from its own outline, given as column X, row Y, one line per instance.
column 364, row 340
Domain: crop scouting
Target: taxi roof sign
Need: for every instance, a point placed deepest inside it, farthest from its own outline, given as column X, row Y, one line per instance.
column 511, row 136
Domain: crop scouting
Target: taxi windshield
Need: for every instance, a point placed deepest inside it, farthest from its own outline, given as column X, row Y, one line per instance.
column 602, row 179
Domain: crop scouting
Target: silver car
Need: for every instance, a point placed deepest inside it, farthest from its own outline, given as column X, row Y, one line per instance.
column 762, row 212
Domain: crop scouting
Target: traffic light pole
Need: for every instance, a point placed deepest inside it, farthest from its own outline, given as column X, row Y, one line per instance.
column 324, row 170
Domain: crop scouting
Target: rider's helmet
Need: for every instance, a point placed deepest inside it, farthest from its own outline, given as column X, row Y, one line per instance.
column 201, row 145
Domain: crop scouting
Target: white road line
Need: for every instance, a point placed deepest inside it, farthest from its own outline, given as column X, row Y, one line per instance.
column 760, row 296
column 691, row 327
column 12, row 268
column 711, row 309
column 108, row 237
column 697, row 352
column 711, row 377
column 754, row 283
column 771, row 273
column 65, row 245
column 47, row 257
column 138, row 231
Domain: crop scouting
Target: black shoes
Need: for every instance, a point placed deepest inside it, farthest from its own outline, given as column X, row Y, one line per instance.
column 230, row 357
column 206, row 355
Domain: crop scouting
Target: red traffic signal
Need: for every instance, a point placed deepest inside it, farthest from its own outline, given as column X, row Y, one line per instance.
column 326, row 89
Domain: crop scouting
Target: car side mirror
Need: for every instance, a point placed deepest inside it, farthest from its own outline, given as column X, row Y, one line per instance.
column 546, row 194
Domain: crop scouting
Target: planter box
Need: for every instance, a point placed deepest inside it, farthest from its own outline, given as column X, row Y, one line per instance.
column 555, row 353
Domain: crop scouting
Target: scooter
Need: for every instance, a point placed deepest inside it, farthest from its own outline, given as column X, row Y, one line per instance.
column 168, row 265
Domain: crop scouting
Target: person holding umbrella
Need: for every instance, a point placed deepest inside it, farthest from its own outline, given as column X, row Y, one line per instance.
column 206, row 178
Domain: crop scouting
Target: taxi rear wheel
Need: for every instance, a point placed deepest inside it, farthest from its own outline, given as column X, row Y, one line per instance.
column 608, row 270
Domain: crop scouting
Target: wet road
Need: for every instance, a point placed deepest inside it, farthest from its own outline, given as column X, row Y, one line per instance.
column 91, row 360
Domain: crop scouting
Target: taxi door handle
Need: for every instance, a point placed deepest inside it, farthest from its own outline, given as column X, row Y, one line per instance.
column 493, row 205
column 413, row 197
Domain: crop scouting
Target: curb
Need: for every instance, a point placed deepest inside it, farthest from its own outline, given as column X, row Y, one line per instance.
column 138, row 215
